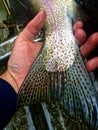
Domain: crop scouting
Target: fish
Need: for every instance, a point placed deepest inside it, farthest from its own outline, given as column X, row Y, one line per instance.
column 59, row 71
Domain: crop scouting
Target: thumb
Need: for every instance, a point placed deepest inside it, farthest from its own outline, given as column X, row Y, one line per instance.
column 34, row 26
column 36, row 48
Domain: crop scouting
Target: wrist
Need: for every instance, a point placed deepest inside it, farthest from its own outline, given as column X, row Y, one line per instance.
column 10, row 79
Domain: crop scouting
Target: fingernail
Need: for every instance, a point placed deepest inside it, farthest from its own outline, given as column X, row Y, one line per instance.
column 42, row 15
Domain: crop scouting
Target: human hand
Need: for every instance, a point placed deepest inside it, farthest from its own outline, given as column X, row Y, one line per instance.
column 24, row 52
column 87, row 45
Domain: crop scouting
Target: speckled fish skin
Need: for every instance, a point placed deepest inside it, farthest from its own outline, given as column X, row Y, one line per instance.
column 59, row 70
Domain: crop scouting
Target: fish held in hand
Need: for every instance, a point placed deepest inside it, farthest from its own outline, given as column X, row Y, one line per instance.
column 59, row 70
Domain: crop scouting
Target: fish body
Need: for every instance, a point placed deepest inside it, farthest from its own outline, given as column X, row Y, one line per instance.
column 59, row 71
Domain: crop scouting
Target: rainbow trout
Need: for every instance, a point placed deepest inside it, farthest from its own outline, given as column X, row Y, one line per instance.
column 59, row 71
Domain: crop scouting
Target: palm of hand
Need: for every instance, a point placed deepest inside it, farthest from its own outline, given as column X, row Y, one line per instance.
column 23, row 55
column 24, row 52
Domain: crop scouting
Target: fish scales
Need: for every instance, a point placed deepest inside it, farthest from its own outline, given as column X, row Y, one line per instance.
column 59, row 70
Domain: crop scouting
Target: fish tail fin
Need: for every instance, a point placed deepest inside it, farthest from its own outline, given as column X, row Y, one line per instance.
column 76, row 94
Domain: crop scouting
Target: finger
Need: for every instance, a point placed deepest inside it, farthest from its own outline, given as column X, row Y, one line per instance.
column 80, row 36
column 90, row 45
column 92, row 64
column 77, row 25
column 34, row 26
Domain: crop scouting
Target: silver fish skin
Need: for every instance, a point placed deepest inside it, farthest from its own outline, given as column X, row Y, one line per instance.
column 59, row 71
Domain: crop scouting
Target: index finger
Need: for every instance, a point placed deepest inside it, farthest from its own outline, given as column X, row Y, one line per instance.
column 77, row 25
column 34, row 26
